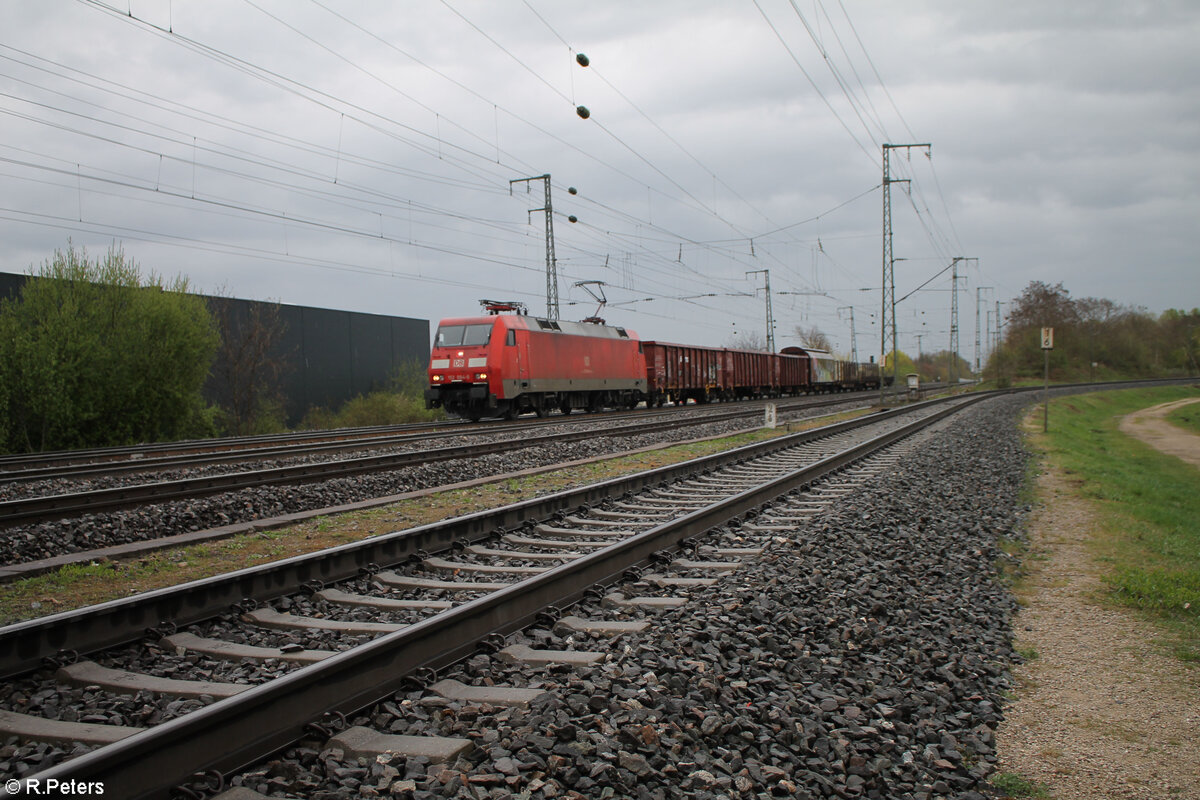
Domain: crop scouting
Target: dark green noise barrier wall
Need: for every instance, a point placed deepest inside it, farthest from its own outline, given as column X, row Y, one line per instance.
column 325, row 357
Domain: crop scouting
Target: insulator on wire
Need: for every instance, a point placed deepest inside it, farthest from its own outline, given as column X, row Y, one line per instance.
column 583, row 112
column 572, row 190
column 572, row 218
column 582, row 59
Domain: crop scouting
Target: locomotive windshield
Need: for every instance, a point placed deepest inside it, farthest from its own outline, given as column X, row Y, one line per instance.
column 460, row 335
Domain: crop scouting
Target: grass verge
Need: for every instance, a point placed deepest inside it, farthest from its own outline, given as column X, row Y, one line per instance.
column 77, row 586
column 1187, row 417
column 1016, row 786
column 1149, row 540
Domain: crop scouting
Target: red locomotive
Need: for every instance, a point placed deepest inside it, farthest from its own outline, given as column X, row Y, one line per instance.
column 505, row 364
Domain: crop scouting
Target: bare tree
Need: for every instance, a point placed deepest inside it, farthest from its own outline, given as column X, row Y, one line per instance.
column 248, row 367
column 747, row 340
column 813, row 337
column 1042, row 305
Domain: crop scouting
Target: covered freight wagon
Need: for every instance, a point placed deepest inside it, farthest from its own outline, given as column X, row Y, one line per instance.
column 825, row 372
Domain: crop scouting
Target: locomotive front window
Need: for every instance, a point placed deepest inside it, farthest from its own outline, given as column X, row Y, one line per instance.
column 462, row 335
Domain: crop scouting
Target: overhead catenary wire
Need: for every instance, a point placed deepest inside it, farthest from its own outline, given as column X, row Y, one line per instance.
column 242, row 64
column 930, row 224
column 796, row 60
column 646, row 116
column 657, row 246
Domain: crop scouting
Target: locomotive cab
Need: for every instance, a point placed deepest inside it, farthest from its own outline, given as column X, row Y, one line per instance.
column 459, row 367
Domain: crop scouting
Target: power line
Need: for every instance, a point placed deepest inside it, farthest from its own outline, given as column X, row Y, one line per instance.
column 471, row 168
column 813, row 83
column 175, row 36
column 875, row 71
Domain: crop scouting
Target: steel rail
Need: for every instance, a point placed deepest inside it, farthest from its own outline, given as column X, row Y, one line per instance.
column 153, row 450
column 148, row 453
column 74, row 464
column 289, row 447
column 24, row 645
column 233, row 733
column 189, row 460
column 31, row 509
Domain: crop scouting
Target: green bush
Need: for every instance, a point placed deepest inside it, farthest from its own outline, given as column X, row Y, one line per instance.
column 93, row 353
column 376, row 408
column 269, row 416
column 410, row 378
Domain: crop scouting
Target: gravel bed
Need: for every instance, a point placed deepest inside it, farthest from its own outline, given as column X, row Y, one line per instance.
column 865, row 655
column 22, row 543
column 230, row 629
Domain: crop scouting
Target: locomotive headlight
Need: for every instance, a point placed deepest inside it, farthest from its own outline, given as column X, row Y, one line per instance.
column 437, row 378
column 481, row 376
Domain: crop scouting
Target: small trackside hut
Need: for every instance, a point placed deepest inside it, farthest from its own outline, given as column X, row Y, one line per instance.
column 506, row 363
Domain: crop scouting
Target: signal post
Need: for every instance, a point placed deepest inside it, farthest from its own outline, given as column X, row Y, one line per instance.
column 1047, row 346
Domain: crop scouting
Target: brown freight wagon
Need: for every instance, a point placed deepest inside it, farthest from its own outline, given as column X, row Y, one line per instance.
column 751, row 373
column 794, row 373
column 678, row 373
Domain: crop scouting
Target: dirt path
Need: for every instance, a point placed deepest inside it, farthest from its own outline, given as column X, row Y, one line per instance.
column 1101, row 711
column 1151, row 427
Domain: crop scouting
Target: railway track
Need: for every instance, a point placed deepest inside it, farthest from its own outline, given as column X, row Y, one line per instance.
column 481, row 441
column 412, row 602
column 91, row 463
column 62, row 461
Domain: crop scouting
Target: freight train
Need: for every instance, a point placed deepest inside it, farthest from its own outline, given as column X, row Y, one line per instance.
column 504, row 364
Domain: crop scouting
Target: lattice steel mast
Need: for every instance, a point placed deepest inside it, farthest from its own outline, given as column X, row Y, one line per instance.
column 551, row 261
column 853, row 337
column 766, row 273
column 887, row 316
column 978, row 351
column 953, row 370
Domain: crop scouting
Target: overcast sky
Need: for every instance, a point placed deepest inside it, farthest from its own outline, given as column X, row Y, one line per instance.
column 358, row 154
